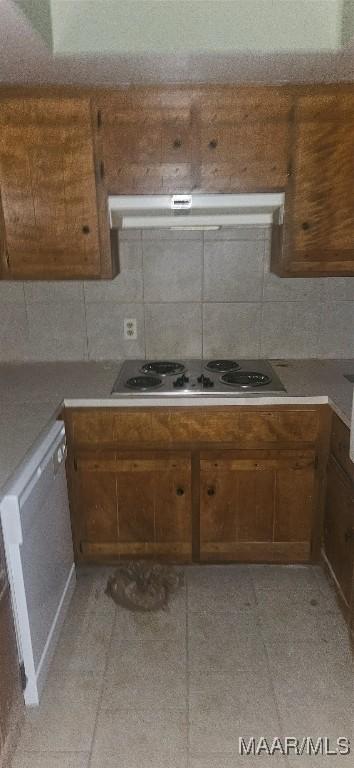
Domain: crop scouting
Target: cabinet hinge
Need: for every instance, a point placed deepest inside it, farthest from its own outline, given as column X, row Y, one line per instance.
column 7, row 257
column 23, row 676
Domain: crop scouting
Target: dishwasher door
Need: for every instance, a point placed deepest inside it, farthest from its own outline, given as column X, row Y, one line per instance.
column 38, row 543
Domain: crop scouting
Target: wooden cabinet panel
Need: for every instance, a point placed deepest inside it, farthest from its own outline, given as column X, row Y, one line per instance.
column 339, row 528
column 246, row 104
column 236, row 502
column 295, row 500
column 319, row 220
column 51, row 206
column 258, row 507
column 340, row 445
column 217, row 139
column 97, row 497
column 247, row 157
column 133, row 488
column 147, row 147
column 128, row 504
column 163, row 425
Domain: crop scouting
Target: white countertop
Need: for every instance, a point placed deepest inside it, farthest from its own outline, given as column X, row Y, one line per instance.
column 31, row 396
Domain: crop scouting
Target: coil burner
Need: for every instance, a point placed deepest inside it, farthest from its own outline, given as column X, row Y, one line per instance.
column 245, row 379
column 143, row 383
column 222, row 366
column 163, row 368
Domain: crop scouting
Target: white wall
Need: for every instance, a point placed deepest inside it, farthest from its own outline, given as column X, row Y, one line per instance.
column 158, row 26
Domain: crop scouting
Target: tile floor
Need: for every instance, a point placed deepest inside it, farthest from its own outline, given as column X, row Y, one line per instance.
column 241, row 651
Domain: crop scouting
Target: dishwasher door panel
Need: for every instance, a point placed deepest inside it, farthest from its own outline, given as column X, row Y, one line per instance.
column 39, row 553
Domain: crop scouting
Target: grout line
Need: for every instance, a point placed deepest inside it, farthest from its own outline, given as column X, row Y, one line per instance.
column 85, row 316
column 93, row 739
column 260, row 340
column 28, row 337
column 265, row 265
column 143, row 298
column 269, row 670
column 203, row 292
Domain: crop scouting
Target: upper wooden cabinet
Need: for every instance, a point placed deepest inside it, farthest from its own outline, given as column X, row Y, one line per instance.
column 210, row 139
column 54, row 216
column 244, row 139
column 62, row 151
column 318, row 236
column 147, row 145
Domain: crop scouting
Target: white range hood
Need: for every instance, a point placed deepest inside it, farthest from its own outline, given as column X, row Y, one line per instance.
column 195, row 211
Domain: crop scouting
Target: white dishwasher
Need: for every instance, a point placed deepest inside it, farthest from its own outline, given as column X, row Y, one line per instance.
column 38, row 545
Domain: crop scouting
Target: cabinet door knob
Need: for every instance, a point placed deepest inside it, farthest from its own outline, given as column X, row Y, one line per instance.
column 211, row 491
column 86, row 229
column 213, row 144
column 305, row 225
column 349, row 535
column 177, row 143
column 180, row 491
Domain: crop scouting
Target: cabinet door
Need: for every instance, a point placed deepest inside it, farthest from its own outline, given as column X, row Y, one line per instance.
column 339, row 527
column 244, row 140
column 257, row 506
column 319, row 220
column 133, row 504
column 48, row 189
column 147, row 145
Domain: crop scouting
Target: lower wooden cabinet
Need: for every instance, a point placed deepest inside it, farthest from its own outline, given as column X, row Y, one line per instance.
column 212, row 484
column 257, row 507
column 11, row 698
column 132, row 504
column 339, row 529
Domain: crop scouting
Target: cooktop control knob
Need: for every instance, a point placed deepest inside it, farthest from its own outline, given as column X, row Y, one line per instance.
column 205, row 381
column 181, row 381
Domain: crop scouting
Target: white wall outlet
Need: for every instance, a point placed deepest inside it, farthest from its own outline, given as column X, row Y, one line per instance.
column 130, row 328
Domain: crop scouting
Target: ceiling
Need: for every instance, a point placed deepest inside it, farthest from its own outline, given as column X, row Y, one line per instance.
column 120, row 42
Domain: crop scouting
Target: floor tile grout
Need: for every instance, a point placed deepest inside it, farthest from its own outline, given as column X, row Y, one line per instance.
column 269, row 670
column 102, row 688
column 209, row 670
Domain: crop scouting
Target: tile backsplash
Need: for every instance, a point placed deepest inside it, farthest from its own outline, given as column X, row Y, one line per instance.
column 192, row 294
